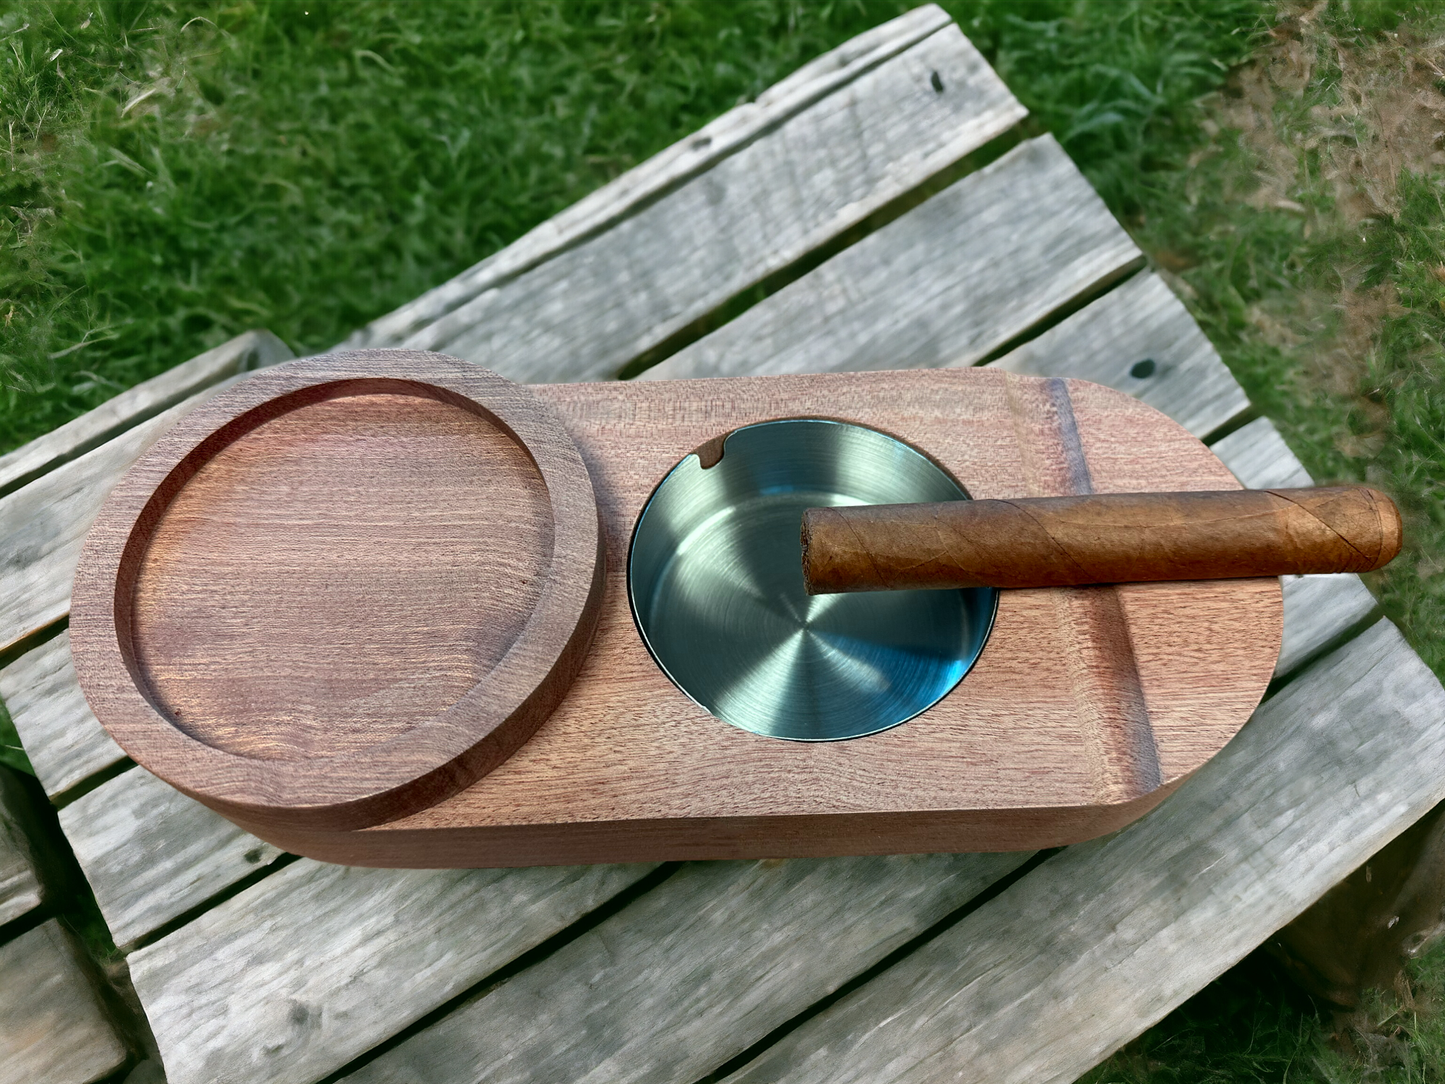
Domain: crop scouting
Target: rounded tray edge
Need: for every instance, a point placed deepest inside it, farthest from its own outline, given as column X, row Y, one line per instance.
column 411, row 770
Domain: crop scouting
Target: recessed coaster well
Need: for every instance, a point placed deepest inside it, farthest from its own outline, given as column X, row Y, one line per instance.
column 342, row 589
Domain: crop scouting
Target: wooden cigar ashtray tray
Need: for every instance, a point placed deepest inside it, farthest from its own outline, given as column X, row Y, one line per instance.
column 374, row 608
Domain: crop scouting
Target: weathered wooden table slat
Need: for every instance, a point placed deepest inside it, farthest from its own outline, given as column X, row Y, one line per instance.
column 1105, row 938
column 19, row 883
column 316, row 964
column 701, row 967
column 151, row 854
column 684, row 161
column 1318, row 610
column 592, row 309
column 250, row 350
column 64, row 741
column 52, row 1028
column 1139, row 339
column 311, row 967
column 1258, row 453
column 953, row 280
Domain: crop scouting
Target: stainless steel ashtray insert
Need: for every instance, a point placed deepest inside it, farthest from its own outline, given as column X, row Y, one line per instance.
column 716, row 584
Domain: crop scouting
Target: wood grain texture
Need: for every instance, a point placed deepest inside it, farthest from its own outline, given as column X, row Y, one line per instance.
column 1106, row 938
column 1317, row 610
column 151, row 854
column 741, row 172
column 1259, row 457
column 1119, row 335
column 1098, row 538
column 587, row 312
column 1025, row 752
column 20, row 890
column 65, row 742
column 341, row 591
column 45, row 525
column 701, row 967
column 302, row 972
column 347, row 607
column 947, row 283
column 249, row 350
column 52, row 1028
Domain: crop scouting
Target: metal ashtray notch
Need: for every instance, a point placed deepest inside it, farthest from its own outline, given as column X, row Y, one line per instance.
column 717, row 590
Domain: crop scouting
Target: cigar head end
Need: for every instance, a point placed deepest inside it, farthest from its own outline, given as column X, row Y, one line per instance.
column 1392, row 529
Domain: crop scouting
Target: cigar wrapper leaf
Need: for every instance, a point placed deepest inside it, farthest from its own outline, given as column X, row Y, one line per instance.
column 1099, row 538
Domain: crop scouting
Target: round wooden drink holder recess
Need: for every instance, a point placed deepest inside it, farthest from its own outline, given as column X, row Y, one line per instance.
column 342, row 590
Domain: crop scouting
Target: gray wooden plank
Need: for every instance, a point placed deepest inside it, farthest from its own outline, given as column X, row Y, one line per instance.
column 44, row 524
column 945, row 284
column 589, row 311
column 20, row 890
column 151, row 854
column 65, row 743
column 1260, row 458
column 1139, row 338
column 1107, row 937
column 249, row 350
column 698, row 969
column 52, row 1028
column 292, row 978
column 686, row 159
column 1317, row 610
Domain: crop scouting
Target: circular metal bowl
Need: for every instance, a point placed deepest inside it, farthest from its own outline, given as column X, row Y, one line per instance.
column 716, row 584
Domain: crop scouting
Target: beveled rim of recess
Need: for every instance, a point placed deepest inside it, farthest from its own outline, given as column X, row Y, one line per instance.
column 430, row 760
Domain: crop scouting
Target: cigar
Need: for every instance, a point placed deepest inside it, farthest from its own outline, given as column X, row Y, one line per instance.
column 1101, row 538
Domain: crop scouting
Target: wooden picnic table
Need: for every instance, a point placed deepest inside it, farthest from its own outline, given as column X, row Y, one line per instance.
column 843, row 195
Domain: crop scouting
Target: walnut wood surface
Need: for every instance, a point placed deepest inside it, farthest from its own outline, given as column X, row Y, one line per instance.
column 1101, row 538
column 1087, row 706
column 342, row 590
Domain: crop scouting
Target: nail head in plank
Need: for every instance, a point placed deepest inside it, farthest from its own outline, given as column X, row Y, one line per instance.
column 1140, row 339
column 19, row 884
column 52, row 1028
column 693, row 973
column 250, row 350
column 151, row 854
column 51, row 516
column 588, row 312
column 63, row 739
column 685, row 159
column 300, row 973
column 1107, row 937
column 1260, row 458
column 945, row 284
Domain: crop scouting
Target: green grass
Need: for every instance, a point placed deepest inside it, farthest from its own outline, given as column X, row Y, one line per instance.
column 1252, row 1026
column 1319, row 273
column 1331, row 311
column 177, row 173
